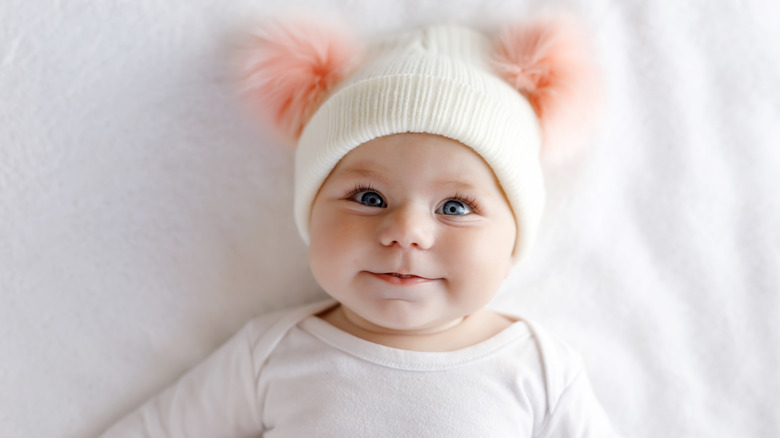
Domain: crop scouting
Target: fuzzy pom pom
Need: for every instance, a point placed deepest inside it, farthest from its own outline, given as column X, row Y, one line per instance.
column 551, row 63
column 288, row 67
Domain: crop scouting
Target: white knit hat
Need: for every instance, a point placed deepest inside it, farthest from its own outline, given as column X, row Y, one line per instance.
column 447, row 80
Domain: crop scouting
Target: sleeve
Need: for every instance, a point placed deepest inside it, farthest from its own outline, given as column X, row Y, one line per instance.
column 217, row 398
column 577, row 413
column 571, row 407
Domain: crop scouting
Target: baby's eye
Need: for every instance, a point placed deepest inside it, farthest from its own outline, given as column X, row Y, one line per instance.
column 369, row 198
column 454, row 207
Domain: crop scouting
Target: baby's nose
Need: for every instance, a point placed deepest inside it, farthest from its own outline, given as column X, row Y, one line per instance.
column 408, row 226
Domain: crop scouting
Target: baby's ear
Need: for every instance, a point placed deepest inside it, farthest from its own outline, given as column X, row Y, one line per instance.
column 552, row 64
column 287, row 67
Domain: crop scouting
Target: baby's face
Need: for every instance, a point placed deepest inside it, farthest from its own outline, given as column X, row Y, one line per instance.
column 411, row 232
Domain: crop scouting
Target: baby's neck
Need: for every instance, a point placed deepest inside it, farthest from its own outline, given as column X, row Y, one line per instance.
column 470, row 330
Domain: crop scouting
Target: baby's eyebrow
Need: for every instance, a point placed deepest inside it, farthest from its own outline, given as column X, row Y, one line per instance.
column 360, row 172
column 456, row 184
column 379, row 175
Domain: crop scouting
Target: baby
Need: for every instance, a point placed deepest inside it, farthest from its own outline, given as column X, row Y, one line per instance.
column 418, row 187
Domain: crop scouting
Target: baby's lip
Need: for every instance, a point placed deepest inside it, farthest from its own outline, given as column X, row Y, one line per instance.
column 402, row 275
column 400, row 278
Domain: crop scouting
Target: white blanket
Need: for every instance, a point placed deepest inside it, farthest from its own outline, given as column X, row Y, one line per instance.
column 144, row 217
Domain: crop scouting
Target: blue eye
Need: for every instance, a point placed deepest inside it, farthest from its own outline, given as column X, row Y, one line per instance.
column 454, row 208
column 369, row 198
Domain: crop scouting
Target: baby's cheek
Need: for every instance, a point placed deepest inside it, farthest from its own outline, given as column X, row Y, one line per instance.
column 334, row 240
column 490, row 260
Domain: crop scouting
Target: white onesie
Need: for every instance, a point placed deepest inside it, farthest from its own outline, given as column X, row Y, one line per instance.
column 291, row 375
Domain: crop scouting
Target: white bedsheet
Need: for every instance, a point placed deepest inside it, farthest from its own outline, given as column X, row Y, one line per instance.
column 143, row 218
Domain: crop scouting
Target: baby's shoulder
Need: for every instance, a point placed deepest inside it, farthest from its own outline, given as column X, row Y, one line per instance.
column 270, row 327
column 560, row 363
column 554, row 351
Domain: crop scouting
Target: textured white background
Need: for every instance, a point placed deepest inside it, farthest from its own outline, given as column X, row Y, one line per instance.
column 143, row 217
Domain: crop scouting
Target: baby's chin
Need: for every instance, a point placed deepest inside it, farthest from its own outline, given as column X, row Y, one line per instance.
column 402, row 318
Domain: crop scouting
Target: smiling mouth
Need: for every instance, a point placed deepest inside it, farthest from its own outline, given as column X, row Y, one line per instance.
column 395, row 274
column 401, row 279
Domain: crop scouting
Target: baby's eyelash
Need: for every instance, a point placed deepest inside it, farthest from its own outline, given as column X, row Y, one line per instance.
column 468, row 200
column 360, row 187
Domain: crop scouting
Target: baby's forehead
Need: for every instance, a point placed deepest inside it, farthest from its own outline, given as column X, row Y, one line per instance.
column 414, row 147
column 416, row 155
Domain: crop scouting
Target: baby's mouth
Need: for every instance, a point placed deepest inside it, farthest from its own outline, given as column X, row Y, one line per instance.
column 401, row 279
column 395, row 274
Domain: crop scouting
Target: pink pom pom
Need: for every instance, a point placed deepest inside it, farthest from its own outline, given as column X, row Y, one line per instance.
column 551, row 64
column 288, row 68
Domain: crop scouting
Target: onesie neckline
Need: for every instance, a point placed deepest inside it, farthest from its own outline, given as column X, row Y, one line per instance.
column 410, row 360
